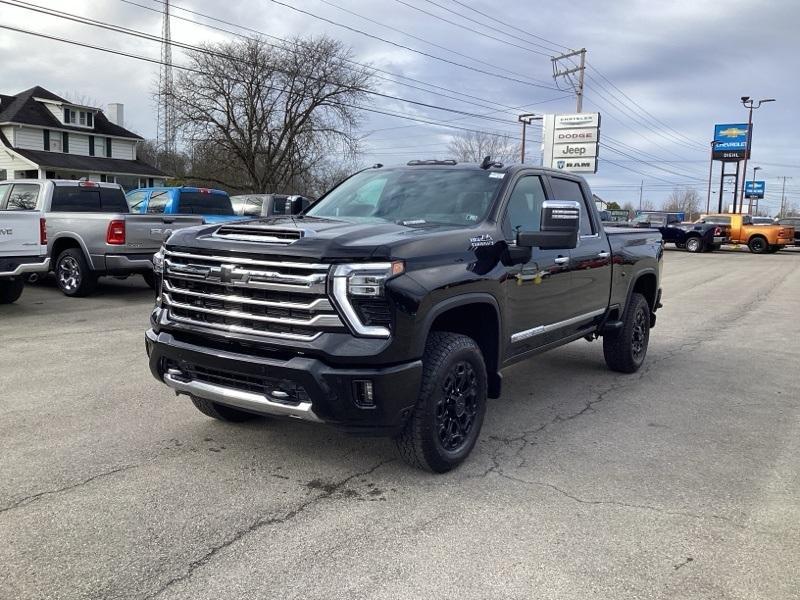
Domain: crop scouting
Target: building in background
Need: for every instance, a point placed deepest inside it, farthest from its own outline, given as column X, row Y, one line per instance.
column 45, row 136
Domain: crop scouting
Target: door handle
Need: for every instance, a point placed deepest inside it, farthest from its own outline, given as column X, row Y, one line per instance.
column 603, row 254
column 561, row 260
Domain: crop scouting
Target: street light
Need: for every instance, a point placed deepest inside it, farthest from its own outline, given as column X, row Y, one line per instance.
column 749, row 104
column 526, row 120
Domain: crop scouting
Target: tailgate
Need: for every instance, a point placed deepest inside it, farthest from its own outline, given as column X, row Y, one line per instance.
column 148, row 232
column 19, row 234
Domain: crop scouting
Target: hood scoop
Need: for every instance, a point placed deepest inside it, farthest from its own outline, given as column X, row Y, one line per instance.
column 266, row 235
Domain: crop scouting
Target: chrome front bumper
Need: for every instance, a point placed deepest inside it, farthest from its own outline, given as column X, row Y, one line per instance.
column 39, row 267
column 257, row 403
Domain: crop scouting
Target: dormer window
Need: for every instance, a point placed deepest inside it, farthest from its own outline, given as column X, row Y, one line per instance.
column 83, row 117
column 69, row 116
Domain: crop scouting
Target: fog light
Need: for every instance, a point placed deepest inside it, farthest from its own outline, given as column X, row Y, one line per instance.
column 362, row 393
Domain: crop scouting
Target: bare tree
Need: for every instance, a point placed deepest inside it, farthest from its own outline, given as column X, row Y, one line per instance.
column 258, row 118
column 685, row 200
column 473, row 146
column 647, row 205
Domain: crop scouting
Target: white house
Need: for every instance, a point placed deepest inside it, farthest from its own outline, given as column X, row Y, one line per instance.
column 45, row 136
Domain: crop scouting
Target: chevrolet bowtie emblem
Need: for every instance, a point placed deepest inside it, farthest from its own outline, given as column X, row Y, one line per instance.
column 226, row 273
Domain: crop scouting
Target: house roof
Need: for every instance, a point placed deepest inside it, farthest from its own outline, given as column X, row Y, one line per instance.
column 22, row 108
column 92, row 164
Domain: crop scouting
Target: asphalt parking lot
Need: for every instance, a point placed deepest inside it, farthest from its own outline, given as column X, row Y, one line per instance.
column 678, row 482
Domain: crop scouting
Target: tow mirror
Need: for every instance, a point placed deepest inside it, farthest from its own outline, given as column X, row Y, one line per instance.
column 560, row 224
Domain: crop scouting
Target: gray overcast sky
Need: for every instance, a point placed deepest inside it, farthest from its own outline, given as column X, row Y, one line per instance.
column 684, row 62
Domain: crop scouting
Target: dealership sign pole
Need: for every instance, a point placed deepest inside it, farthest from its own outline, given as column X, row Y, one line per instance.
column 571, row 142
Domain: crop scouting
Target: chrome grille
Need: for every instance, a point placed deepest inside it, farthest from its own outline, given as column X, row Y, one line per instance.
column 245, row 295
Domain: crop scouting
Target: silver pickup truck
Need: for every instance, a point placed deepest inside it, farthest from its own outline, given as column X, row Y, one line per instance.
column 23, row 250
column 90, row 230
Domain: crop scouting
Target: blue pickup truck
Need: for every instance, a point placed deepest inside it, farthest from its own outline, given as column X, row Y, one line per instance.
column 213, row 205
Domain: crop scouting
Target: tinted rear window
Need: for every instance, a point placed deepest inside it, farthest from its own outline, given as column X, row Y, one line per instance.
column 197, row 203
column 67, row 198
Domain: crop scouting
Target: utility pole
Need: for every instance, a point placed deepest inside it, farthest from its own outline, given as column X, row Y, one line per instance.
column 526, row 120
column 750, row 200
column 641, row 191
column 567, row 73
column 783, row 197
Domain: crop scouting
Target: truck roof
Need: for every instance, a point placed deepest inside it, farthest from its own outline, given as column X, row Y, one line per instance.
column 465, row 166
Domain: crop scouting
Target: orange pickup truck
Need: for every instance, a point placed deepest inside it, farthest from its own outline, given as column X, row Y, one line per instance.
column 761, row 239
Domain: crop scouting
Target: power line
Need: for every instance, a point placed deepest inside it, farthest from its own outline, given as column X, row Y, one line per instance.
column 496, row 20
column 424, row 41
column 284, row 44
column 415, row 50
column 467, row 28
column 190, row 69
column 150, row 37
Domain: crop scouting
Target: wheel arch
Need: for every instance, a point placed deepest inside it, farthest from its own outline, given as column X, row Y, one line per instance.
column 64, row 242
column 646, row 283
column 476, row 315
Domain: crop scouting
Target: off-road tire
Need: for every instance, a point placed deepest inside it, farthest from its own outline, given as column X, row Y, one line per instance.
column 221, row 412
column 758, row 245
column 83, row 281
column 619, row 347
column 694, row 244
column 419, row 443
column 11, row 290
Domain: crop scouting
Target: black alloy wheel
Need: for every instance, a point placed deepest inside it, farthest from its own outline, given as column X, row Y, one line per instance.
column 457, row 406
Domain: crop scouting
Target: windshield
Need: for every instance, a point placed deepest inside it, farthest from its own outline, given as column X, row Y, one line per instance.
column 413, row 196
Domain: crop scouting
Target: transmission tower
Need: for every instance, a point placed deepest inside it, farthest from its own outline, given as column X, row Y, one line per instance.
column 166, row 104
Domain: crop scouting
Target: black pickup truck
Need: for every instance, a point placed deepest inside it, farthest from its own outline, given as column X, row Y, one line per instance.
column 694, row 237
column 392, row 305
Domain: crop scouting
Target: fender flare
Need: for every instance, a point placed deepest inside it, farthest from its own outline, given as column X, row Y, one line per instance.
column 74, row 237
column 440, row 308
column 632, row 284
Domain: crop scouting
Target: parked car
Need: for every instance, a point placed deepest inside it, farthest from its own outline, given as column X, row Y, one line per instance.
column 23, row 240
column 792, row 222
column 764, row 221
column 214, row 206
column 391, row 306
column 91, row 232
column 759, row 239
column 268, row 205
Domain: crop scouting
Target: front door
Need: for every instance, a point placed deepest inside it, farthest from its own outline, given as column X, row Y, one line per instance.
column 590, row 261
column 538, row 294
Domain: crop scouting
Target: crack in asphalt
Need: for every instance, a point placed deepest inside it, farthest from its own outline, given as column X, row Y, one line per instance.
column 527, row 438
column 650, row 507
column 264, row 521
column 34, row 497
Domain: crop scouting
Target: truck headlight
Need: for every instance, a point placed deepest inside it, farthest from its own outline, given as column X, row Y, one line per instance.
column 358, row 282
column 158, row 261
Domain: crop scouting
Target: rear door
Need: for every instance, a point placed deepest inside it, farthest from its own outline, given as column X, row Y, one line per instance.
column 590, row 262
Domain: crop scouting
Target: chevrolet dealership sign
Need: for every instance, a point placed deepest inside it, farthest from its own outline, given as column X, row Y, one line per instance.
column 571, row 142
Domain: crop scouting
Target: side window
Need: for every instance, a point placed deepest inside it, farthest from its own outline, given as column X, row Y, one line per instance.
column 524, row 210
column 252, row 207
column 23, row 196
column 565, row 189
column 136, row 200
column 158, row 202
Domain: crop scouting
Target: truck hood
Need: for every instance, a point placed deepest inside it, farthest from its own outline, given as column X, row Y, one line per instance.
column 331, row 239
